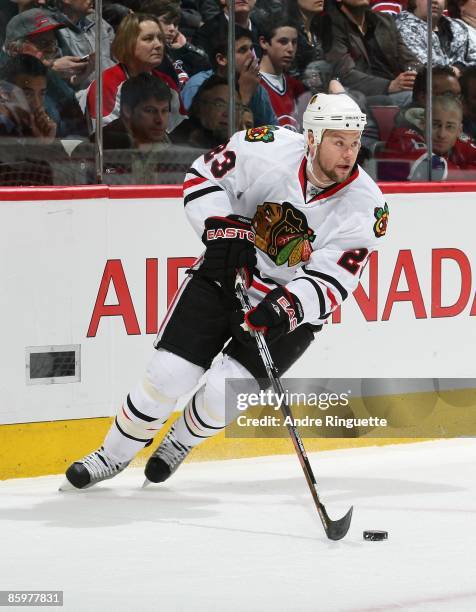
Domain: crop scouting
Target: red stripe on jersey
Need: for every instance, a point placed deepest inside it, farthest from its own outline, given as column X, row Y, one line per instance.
column 193, row 182
column 125, row 414
column 302, row 177
column 260, row 287
column 332, row 298
column 327, row 193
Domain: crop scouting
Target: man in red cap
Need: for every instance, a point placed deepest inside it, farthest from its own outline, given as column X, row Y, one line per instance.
column 33, row 32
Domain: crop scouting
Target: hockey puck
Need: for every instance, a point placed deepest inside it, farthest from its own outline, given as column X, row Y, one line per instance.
column 375, row 536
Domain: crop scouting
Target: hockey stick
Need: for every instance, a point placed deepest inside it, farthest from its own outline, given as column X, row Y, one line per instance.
column 335, row 530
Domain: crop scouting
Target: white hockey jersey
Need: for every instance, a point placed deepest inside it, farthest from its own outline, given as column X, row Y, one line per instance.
column 314, row 242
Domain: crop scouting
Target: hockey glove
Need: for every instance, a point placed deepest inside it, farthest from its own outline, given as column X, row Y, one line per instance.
column 279, row 313
column 230, row 243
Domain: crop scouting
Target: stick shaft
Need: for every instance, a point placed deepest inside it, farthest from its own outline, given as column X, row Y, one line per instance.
column 278, row 388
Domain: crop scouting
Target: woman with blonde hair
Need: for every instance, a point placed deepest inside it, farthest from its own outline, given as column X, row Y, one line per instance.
column 139, row 46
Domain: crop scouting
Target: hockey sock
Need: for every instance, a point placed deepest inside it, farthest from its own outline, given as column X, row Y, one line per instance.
column 205, row 415
column 196, row 423
column 139, row 419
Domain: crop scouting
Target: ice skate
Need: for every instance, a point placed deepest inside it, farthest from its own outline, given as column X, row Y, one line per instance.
column 95, row 467
column 166, row 459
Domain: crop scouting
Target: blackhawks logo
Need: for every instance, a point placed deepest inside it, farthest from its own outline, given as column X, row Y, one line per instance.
column 260, row 134
column 380, row 226
column 282, row 233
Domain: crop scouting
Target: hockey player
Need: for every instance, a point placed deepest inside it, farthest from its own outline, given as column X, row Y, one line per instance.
column 300, row 218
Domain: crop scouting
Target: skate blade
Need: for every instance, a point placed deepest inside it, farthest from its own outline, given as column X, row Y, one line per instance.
column 67, row 486
column 146, row 483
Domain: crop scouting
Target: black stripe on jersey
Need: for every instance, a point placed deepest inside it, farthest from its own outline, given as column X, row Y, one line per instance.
column 189, row 429
column 320, row 295
column 265, row 279
column 129, row 436
column 194, row 172
column 194, row 410
column 329, row 279
column 136, row 413
column 199, row 193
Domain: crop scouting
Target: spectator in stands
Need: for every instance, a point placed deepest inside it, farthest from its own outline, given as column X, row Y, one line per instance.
column 30, row 75
column 32, row 32
column 144, row 114
column 369, row 54
column 206, row 36
column 20, row 163
column 450, row 39
column 464, row 12
column 139, row 46
column 307, row 14
column 79, row 37
column 444, row 81
column 455, row 150
column 187, row 59
column 248, row 76
column 279, row 44
column 207, row 126
column 468, row 91
column 137, row 148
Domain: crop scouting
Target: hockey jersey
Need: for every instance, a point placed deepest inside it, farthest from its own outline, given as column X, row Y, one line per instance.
column 406, row 149
column 283, row 94
column 316, row 242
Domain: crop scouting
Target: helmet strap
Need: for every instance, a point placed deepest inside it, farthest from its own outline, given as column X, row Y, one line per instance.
column 310, row 156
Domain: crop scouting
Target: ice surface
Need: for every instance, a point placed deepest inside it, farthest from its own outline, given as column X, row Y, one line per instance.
column 244, row 535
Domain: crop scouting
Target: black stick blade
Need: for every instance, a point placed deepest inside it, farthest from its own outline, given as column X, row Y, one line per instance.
column 336, row 530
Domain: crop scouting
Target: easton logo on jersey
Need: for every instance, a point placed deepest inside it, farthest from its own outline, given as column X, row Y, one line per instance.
column 282, row 233
column 380, row 226
column 261, row 134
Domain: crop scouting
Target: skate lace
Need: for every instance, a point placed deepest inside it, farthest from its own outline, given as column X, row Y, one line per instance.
column 100, row 465
column 171, row 451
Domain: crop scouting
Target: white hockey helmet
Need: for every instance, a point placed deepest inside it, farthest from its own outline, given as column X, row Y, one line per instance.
column 332, row 112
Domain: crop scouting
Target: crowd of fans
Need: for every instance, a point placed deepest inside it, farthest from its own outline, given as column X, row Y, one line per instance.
column 166, row 94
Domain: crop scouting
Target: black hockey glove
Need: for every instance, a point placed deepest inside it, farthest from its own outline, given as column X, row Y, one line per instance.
column 230, row 243
column 279, row 313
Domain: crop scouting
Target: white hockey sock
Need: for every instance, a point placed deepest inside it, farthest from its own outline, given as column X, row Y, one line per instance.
column 149, row 404
column 138, row 420
column 119, row 447
column 196, row 424
column 205, row 415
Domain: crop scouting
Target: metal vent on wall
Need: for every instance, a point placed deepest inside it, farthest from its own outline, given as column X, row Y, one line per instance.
column 53, row 364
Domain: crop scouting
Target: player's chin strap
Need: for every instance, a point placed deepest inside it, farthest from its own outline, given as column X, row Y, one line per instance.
column 310, row 156
column 335, row 530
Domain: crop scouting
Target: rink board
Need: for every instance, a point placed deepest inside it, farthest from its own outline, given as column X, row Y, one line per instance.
column 94, row 269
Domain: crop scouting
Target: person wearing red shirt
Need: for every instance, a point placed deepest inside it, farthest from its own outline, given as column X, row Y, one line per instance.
column 405, row 152
column 279, row 45
column 139, row 46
